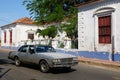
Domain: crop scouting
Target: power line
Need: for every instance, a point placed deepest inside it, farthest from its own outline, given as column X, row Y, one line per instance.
column 4, row 20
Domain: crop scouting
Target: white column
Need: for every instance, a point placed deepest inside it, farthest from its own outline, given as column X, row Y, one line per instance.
column 7, row 37
column 95, row 32
column 2, row 38
column 113, row 29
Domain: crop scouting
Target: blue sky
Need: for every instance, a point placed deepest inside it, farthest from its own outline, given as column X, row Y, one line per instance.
column 11, row 10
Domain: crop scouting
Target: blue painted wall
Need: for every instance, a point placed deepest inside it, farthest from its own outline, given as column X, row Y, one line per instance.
column 9, row 47
column 117, row 57
column 96, row 55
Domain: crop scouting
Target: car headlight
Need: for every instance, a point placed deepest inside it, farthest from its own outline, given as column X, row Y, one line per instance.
column 75, row 59
column 56, row 60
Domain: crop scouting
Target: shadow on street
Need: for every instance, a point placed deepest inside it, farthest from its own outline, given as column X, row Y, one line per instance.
column 62, row 70
column 53, row 70
column 36, row 67
column 5, row 61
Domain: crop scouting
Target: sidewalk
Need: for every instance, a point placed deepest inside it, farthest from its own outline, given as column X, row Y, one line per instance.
column 106, row 63
column 5, row 50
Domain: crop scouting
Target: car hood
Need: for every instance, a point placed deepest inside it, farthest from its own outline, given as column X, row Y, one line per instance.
column 57, row 55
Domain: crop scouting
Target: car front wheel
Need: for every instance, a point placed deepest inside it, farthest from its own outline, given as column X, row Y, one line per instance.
column 44, row 67
column 17, row 61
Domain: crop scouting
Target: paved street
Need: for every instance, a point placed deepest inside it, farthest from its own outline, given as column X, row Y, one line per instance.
column 79, row 72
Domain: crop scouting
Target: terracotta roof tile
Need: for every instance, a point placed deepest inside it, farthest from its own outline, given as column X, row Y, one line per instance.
column 24, row 20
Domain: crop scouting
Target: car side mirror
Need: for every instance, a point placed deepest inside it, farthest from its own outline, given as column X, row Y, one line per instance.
column 31, row 51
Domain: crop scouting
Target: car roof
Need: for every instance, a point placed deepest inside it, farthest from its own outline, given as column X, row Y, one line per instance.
column 36, row 45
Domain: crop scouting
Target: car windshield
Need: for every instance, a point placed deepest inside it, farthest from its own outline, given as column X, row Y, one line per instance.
column 44, row 49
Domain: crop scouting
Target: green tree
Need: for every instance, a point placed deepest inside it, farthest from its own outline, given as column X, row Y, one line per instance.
column 72, row 30
column 52, row 11
column 50, row 31
column 47, row 11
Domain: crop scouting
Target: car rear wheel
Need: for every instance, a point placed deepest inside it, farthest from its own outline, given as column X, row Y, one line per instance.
column 44, row 67
column 17, row 61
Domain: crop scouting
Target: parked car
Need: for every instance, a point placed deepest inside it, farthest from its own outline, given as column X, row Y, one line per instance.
column 45, row 56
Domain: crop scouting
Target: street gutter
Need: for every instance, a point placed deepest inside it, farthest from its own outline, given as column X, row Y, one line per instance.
column 105, row 63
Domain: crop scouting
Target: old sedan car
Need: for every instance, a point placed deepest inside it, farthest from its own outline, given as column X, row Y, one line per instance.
column 45, row 56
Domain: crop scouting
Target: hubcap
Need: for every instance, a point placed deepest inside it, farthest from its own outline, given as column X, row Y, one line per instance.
column 17, row 62
column 44, row 67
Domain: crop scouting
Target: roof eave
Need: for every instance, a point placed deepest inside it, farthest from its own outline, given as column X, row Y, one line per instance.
column 91, row 2
column 8, row 25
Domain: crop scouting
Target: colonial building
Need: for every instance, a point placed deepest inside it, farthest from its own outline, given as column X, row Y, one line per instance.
column 99, row 29
column 23, row 31
column 17, row 33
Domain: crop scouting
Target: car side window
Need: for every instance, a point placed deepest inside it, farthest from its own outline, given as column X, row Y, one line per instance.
column 23, row 49
column 45, row 49
column 40, row 49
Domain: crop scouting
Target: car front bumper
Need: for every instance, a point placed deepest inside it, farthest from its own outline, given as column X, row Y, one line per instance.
column 65, row 64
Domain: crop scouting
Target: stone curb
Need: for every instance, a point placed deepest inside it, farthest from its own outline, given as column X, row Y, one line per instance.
column 105, row 63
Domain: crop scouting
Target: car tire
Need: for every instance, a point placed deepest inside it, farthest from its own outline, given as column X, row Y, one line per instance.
column 44, row 67
column 17, row 61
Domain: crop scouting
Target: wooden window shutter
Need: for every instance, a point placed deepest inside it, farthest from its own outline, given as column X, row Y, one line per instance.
column 104, row 24
column 4, row 36
column 30, row 36
column 10, row 37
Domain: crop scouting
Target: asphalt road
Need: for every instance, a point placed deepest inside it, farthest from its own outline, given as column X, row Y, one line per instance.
column 80, row 72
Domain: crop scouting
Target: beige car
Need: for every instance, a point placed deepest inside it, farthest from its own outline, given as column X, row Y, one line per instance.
column 45, row 56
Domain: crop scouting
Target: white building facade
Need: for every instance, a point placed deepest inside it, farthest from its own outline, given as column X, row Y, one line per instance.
column 98, row 29
column 23, row 31
column 18, row 32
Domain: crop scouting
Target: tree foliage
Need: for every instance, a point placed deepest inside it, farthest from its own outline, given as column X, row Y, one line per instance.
column 50, row 31
column 72, row 30
column 48, row 11
column 43, row 11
